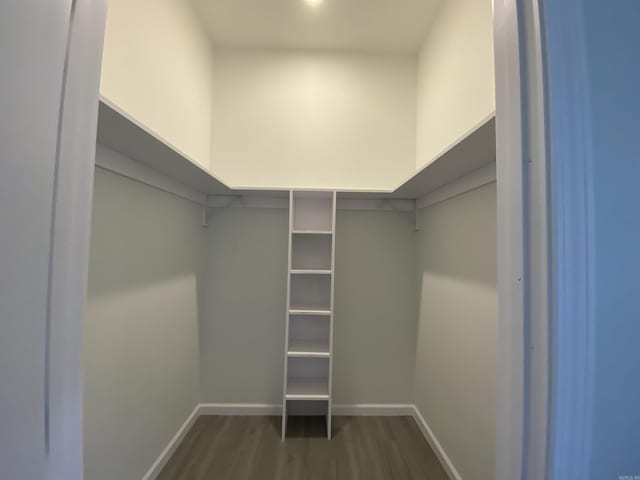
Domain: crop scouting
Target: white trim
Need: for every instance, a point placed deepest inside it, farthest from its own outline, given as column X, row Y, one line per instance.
column 471, row 181
column 174, row 443
column 283, row 432
column 348, row 410
column 112, row 161
column 446, row 462
column 511, row 372
column 240, row 409
column 373, row 410
column 538, row 260
column 527, row 275
column 334, row 214
column 70, row 230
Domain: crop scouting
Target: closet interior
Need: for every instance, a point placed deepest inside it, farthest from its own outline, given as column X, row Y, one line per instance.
column 294, row 215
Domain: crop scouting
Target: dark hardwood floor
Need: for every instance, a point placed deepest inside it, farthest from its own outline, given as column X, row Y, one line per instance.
column 249, row 448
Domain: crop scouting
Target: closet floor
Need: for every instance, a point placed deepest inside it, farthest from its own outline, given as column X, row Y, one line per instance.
column 243, row 448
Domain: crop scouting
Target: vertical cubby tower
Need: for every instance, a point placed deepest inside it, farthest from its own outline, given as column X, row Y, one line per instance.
column 309, row 319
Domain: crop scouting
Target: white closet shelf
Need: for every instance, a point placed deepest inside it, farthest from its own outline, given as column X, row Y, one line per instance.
column 307, row 389
column 304, row 271
column 121, row 132
column 309, row 310
column 309, row 348
column 472, row 151
column 312, row 232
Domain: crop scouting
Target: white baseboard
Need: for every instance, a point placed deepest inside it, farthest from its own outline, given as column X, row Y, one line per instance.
column 164, row 457
column 373, row 409
column 242, row 409
column 446, row 462
column 361, row 410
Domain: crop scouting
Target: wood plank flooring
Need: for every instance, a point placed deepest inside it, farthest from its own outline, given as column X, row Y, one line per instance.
column 249, row 448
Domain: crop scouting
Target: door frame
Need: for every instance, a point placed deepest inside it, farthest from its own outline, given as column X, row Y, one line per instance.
column 545, row 241
column 69, row 242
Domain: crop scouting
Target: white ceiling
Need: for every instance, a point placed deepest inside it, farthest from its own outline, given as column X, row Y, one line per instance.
column 363, row 25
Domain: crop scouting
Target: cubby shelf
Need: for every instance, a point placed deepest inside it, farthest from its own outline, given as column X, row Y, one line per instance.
column 309, row 310
column 312, row 232
column 310, row 272
column 308, row 356
column 307, row 389
column 309, row 348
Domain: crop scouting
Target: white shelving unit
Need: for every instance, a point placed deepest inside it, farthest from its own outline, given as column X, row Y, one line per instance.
column 309, row 323
column 120, row 132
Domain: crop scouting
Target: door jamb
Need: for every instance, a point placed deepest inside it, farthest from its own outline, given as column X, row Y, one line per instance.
column 546, row 281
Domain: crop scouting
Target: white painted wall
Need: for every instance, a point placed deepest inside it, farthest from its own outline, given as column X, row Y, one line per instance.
column 455, row 76
column 157, row 68
column 455, row 379
column 242, row 329
column 286, row 118
column 141, row 327
column 313, row 119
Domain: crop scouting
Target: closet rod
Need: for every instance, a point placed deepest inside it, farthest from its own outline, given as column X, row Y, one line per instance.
column 149, row 184
column 476, row 179
column 258, row 201
column 112, row 161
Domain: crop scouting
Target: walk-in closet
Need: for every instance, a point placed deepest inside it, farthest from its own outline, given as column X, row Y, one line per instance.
column 293, row 246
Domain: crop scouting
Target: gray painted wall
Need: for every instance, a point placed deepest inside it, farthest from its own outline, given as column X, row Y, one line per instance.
column 455, row 378
column 375, row 307
column 242, row 330
column 141, row 327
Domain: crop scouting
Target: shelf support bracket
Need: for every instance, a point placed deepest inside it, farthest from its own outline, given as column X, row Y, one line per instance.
column 205, row 213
